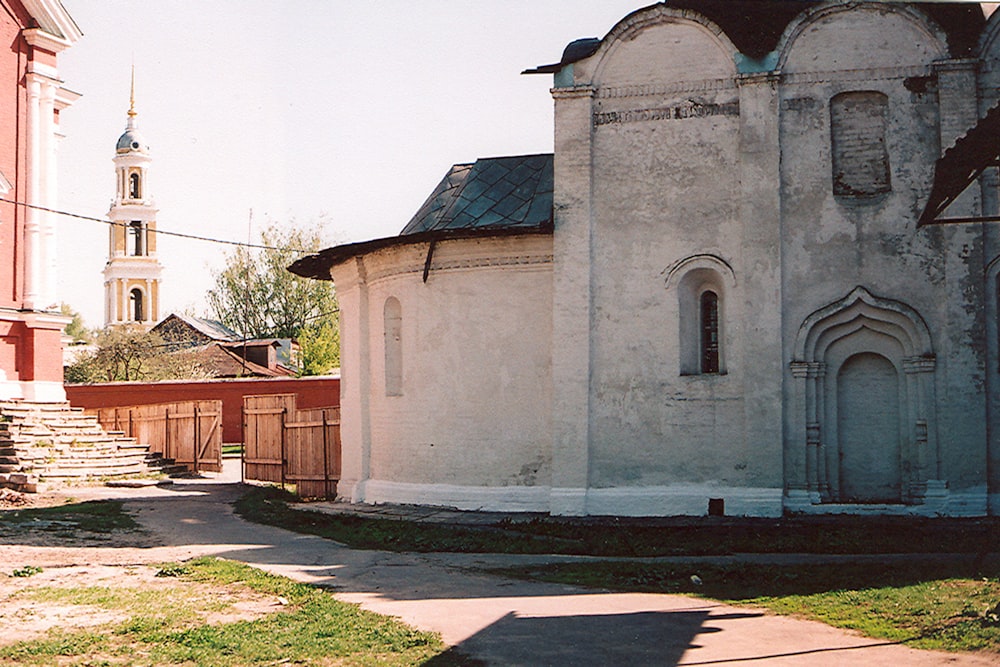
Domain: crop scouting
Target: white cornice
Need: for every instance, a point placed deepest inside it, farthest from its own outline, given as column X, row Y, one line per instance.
column 120, row 268
column 53, row 18
column 44, row 40
column 65, row 97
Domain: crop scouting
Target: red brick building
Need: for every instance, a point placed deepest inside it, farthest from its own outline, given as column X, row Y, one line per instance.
column 30, row 325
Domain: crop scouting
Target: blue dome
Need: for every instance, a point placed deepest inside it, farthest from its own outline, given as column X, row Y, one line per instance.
column 131, row 140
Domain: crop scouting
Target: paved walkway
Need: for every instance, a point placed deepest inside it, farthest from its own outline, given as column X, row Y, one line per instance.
column 497, row 621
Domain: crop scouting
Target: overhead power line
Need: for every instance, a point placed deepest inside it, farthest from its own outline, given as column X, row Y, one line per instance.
column 165, row 232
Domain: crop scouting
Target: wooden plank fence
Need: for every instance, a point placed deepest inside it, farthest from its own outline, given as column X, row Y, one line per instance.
column 188, row 432
column 288, row 446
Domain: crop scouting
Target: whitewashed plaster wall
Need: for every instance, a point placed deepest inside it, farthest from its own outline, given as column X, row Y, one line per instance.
column 469, row 426
column 654, row 170
column 832, row 244
column 670, row 191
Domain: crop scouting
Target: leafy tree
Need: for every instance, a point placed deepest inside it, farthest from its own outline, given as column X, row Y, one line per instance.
column 319, row 348
column 76, row 328
column 256, row 296
column 128, row 353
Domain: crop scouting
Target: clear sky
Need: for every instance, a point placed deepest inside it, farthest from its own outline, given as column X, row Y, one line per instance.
column 338, row 114
column 331, row 113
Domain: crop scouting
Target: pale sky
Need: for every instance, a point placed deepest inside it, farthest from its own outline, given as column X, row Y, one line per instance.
column 341, row 114
column 328, row 112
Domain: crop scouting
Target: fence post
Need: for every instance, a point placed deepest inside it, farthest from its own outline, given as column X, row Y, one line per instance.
column 243, row 443
column 166, row 434
column 326, row 460
column 284, row 461
column 197, row 435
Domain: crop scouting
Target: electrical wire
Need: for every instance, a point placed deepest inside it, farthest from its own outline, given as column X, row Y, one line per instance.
column 182, row 235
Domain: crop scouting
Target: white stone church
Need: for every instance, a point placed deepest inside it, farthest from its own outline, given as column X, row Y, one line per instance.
column 761, row 268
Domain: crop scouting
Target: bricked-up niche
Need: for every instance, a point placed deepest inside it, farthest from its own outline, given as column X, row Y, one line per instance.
column 393, row 322
column 857, row 135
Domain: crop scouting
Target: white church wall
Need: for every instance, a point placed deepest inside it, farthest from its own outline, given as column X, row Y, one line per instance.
column 469, row 424
column 883, row 60
column 666, row 199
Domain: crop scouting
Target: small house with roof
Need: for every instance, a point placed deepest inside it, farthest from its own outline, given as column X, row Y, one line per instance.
column 222, row 352
column 730, row 284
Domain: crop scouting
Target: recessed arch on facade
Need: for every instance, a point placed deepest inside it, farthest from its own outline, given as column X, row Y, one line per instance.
column 634, row 24
column 802, row 24
column 863, row 415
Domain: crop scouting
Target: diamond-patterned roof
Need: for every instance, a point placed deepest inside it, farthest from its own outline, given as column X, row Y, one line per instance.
column 491, row 193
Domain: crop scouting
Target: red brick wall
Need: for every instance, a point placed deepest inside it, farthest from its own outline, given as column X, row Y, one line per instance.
column 318, row 392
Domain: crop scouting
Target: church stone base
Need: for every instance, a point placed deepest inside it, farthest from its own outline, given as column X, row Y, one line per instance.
column 675, row 500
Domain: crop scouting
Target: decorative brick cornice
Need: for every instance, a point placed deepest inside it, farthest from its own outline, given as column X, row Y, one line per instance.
column 572, row 92
column 659, row 89
column 461, row 264
column 850, row 75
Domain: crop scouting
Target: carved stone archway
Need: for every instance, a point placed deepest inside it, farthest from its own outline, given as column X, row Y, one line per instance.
column 860, row 324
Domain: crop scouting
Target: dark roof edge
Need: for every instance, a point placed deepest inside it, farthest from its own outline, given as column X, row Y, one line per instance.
column 318, row 265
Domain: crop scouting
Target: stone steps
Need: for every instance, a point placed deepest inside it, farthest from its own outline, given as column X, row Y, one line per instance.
column 59, row 443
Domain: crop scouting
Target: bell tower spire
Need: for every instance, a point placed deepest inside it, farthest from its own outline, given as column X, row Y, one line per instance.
column 131, row 95
column 132, row 274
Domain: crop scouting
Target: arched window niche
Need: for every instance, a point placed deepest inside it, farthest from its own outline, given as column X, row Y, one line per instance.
column 134, row 185
column 701, row 283
column 135, row 303
column 393, row 331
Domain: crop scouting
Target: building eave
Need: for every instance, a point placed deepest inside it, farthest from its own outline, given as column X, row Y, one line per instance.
column 318, row 265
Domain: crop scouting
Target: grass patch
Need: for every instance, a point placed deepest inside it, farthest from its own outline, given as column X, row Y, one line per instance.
column 95, row 516
column 924, row 602
column 167, row 626
column 605, row 536
column 232, row 449
column 269, row 505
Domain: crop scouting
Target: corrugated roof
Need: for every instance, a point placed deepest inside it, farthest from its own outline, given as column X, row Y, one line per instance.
column 212, row 328
column 492, row 193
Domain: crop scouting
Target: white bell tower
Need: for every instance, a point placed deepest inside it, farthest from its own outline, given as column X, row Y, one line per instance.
column 132, row 274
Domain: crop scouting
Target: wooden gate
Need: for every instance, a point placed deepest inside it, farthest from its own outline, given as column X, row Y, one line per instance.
column 289, row 446
column 190, row 432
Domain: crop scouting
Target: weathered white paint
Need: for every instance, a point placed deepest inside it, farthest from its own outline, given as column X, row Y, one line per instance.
column 561, row 373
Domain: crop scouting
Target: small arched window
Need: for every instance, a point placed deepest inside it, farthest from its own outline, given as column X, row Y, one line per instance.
column 135, row 305
column 709, row 326
column 393, row 321
column 701, row 315
column 134, row 189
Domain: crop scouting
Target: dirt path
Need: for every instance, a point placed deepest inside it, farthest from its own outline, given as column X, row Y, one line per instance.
column 500, row 621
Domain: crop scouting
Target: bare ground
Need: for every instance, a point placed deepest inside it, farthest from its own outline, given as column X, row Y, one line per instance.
column 70, row 560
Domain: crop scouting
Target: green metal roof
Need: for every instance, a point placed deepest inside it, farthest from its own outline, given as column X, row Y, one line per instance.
column 491, row 193
column 497, row 196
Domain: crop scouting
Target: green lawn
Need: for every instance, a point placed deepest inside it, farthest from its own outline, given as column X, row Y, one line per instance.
column 924, row 602
column 96, row 516
column 167, row 626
